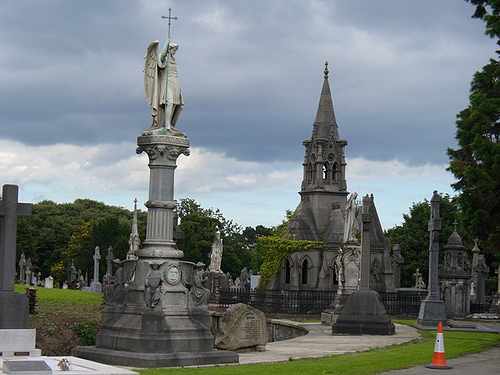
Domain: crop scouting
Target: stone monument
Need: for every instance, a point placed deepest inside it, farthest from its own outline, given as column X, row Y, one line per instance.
column 432, row 308
column 363, row 313
column 495, row 303
column 134, row 241
column 480, row 271
column 22, row 268
column 13, row 306
column 419, row 280
column 49, row 282
column 216, row 254
column 95, row 285
column 242, row 327
column 397, row 261
column 157, row 313
column 455, row 275
column 28, row 272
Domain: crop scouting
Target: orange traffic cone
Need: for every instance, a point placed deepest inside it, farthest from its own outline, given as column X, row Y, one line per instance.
column 438, row 358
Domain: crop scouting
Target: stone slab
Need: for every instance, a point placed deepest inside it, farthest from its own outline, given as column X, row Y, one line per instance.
column 431, row 313
column 17, row 340
column 78, row 366
column 147, row 360
column 26, row 367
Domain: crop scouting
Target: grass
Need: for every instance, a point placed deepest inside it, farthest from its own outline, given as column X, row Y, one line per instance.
column 61, row 297
column 364, row 363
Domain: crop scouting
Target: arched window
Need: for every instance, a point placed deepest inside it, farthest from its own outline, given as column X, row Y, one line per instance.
column 334, row 172
column 325, row 172
column 305, row 272
column 287, row 271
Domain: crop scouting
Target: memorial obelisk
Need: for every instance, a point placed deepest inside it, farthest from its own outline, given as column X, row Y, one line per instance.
column 156, row 307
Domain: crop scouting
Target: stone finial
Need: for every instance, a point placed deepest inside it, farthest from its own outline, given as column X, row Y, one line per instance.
column 326, row 70
column 475, row 249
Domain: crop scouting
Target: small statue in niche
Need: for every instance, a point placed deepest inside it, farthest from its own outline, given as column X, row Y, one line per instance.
column 153, row 286
column 198, row 293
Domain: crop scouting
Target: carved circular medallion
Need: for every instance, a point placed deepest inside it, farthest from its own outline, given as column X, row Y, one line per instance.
column 173, row 275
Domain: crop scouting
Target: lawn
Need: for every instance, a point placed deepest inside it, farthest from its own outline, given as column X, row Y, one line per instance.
column 365, row 363
column 65, row 319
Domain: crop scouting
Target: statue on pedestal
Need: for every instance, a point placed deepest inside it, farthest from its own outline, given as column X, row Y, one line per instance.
column 216, row 254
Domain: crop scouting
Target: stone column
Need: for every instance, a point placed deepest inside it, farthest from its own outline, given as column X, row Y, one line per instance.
column 432, row 308
column 163, row 151
column 364, row 282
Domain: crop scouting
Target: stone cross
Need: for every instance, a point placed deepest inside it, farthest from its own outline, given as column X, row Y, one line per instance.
column 364, row 282
column 97, row 258
column 434, row 229
column 10, row 209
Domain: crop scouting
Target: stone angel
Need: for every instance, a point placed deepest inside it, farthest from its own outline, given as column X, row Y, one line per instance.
column 161, row 86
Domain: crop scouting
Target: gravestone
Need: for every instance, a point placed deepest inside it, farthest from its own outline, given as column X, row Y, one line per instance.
column 432, row 308
column 13, row 306
column 95, row 285
column 363, row 313
column 49, row 282
column 242, row 327
column 480, row 271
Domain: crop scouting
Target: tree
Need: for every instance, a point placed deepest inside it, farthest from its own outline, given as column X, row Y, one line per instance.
column 476, row 161
column 413, row 235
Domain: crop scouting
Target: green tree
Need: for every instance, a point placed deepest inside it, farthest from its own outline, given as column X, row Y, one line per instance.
column 476, row 161
column 413, row 235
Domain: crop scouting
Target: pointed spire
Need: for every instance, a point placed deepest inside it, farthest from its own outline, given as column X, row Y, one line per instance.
column 325, row 122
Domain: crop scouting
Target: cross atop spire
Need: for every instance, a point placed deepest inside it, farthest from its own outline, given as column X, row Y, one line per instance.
column 326, row 70
column 325, row 123
column 169, row 18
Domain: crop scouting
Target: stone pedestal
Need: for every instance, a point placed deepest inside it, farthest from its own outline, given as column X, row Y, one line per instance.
column 13, row 310
column 363, row 313
column 431, row 313
column 156, row 307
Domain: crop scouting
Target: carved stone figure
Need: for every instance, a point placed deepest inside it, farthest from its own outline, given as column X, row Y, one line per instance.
column 351, row 226
column 339, row 268
column 419, row 281
column 152, row 286
column 244, row 279
column 198, row 293
column 134, row 241
column 216, row 254
column 161, row 86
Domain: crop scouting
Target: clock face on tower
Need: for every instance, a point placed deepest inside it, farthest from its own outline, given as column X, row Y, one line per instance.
column 173, row 275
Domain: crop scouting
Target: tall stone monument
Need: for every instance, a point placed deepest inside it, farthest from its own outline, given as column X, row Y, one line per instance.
column 455, row 276
column 95, row 284
column 363, row 313
column 13, row 306
column 156, row 313
column 432, row 308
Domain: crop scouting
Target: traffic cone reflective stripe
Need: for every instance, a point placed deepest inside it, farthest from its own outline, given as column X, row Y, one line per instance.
column 439, row 358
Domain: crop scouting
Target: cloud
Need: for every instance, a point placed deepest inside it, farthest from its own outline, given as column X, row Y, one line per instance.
column 251, row 193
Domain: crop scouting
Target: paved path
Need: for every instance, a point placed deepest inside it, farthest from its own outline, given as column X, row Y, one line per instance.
column 319, row 342
column 485, row 363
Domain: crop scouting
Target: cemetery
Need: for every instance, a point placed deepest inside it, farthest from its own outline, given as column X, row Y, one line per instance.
column 92, row 288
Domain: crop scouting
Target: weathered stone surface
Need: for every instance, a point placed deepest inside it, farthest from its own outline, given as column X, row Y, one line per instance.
column 242, row 327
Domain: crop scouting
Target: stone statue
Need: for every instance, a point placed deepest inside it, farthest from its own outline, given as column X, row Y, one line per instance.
column 161, row 86
column 216, row 254
column 152, row 286
column 244, row 279
column 134, row 241
column 419, row 281
column 351, row 224
column 198, row 293
column 22, row 265
column 339, row 269
column 72, row 273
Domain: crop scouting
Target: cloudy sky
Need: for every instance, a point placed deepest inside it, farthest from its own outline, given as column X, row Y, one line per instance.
column 72, row 104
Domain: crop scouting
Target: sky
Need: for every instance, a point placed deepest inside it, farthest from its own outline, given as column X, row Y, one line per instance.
column 72, row 98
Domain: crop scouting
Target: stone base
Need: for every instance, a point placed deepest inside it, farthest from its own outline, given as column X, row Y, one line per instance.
column 431, row 313
column 363, row 314
column 13, row 310
column 147, row 360
column 18, row 342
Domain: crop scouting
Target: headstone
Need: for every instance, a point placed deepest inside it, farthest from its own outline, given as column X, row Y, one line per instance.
column 363, row 313
column 95, row 285
column 242, row 327
column 16, row 342
column 65, row 285
column 254, row 281
column 432, row 308
column 13, row 306
column 49, row 282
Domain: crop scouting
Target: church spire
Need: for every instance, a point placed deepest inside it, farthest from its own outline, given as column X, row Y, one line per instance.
column 325, row 123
